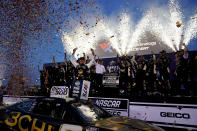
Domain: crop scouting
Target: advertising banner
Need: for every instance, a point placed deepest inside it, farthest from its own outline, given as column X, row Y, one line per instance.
column 59, row 92
column 115, row 106
column 111, row 80
column 148, row 43
column 174, row 115
column 85, row 90
column 80, row 89
column 76, row 88
column 105, row 50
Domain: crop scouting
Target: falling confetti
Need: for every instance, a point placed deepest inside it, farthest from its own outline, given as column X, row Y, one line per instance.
column 26, row 28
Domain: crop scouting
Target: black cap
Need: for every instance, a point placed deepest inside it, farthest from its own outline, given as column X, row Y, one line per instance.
column 81, row 58
column 163, row 51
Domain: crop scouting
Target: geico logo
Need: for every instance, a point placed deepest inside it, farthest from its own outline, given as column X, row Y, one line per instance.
column 116, row 113
column 108, row 103
column 16, row 118
column 175, row 115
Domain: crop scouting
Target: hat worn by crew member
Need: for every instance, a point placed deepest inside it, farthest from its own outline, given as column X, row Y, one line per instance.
column 163, row 51
column 81, row 58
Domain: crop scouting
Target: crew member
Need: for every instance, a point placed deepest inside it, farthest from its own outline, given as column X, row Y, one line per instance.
column 163, row 66
column 182, row 69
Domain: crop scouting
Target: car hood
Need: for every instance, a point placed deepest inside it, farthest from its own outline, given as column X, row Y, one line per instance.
column 122, row 123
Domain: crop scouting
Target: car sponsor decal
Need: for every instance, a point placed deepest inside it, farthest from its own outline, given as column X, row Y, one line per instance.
column 16, row 119
column 13, row 120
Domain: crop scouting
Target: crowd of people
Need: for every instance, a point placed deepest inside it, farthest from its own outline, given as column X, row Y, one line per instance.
column 137, row 76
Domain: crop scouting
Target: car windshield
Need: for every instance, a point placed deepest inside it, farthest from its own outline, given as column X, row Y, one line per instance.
column 90, row 112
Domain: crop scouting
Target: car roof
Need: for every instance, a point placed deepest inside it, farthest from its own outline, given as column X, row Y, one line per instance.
column 67, row 100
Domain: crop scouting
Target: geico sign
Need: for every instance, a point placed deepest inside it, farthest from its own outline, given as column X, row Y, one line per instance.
column 175, row 115
column 108, row 103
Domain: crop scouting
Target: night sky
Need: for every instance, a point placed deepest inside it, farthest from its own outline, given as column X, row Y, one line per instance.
column 42, row 51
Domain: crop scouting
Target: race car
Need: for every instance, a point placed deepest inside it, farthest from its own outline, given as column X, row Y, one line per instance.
column 57, row 114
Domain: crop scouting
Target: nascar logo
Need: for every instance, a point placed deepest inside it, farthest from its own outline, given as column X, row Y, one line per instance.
column 108, row 103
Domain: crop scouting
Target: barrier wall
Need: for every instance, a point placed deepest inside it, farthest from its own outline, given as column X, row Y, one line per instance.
column 161, row 114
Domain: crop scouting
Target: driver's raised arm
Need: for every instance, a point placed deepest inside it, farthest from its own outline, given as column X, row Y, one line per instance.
column 92, row 60
column 73, row 59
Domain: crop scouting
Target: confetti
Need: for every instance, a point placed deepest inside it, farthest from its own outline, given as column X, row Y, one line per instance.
column 28, row 29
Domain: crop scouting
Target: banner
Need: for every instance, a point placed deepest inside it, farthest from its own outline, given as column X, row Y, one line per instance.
column 104, row 49
column 171, row 115
column 85, row 90
column 146, row 45
column 115, row 106
column 76, row 88
column 59, row 92
column 111, row 80
column 80, row 89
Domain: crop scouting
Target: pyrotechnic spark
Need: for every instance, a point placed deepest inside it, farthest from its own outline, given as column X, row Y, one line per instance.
column 176, row 16
column 191, row 30
column 124, row 32
column 140, row 29
column 156, row 27
column 79, row 40
column 170, row 31
column 104, row 31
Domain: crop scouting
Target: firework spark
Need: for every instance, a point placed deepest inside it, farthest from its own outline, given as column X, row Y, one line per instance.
column 167, row 27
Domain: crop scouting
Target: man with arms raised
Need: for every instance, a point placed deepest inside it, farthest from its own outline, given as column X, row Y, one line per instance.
column 81, row 68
